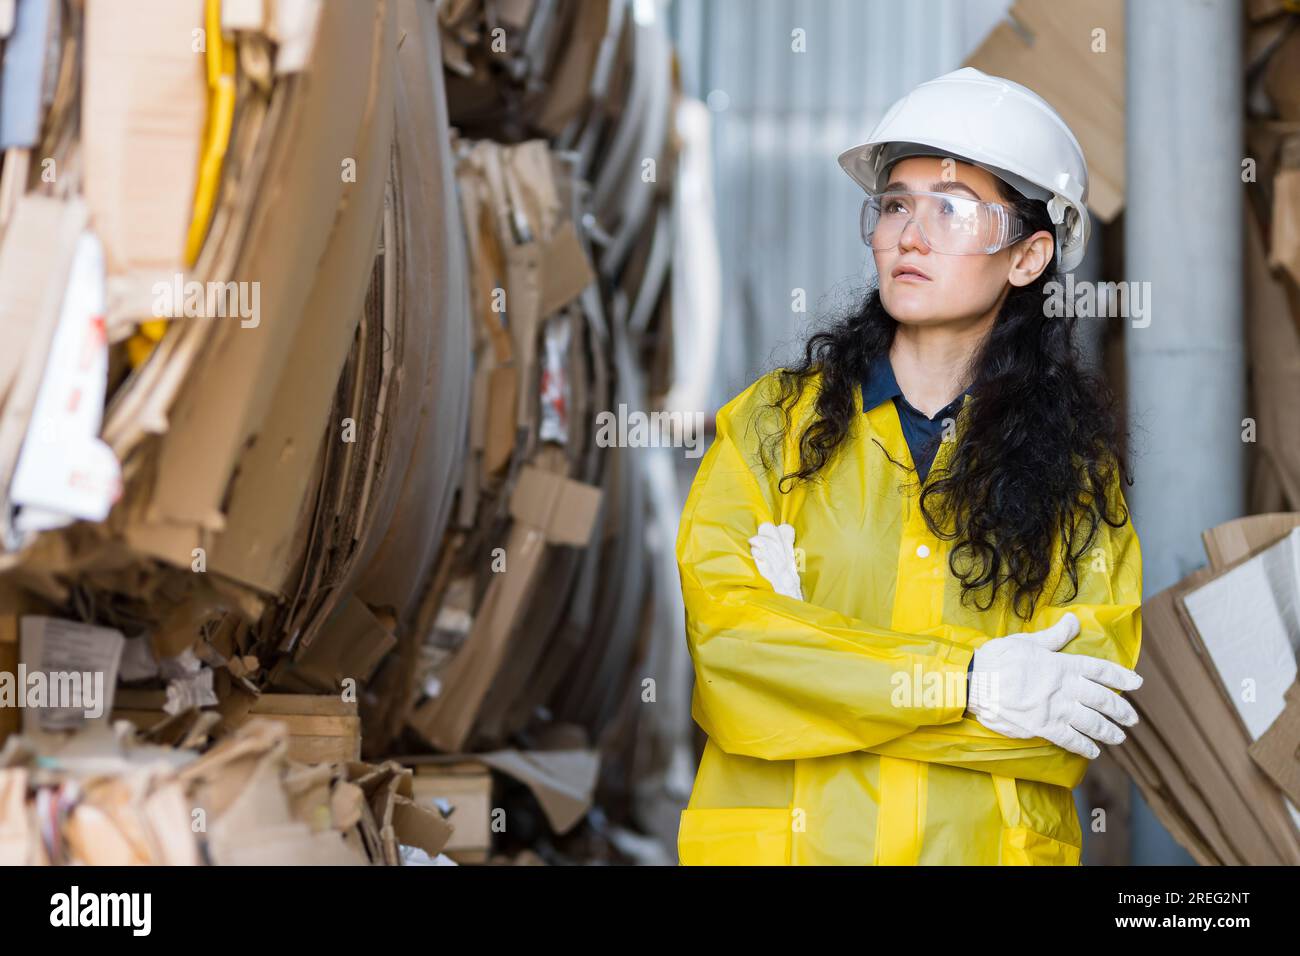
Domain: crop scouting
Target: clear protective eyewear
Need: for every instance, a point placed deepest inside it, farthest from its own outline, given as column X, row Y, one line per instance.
column 951, row 225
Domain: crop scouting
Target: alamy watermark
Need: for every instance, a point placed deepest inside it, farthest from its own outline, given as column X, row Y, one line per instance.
column 927, row 688
column 54, row 690
column 638, row 429
column 130, row 910
column 208, row 300
column 1098, row 300
column 933, row 689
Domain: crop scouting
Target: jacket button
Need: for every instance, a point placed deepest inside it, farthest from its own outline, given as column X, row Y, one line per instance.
column 923, row 551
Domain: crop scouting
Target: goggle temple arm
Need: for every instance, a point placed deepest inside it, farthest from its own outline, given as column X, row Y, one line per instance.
column 1010, row 229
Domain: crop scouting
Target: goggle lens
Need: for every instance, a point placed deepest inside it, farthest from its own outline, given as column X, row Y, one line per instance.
column 951, row 225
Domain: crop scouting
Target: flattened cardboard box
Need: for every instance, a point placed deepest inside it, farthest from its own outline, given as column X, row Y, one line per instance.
column 274, row 474
column 433, row 412
column 467, row 787
column 1277, row 751
column 321, row 728
column 1243, row 621
column 1210, row 776
column 1194, row 779
column 225, row 400
column 350, row 646
column 548, row 508
column 39, row 242
column 562, row 780
column 143, row 106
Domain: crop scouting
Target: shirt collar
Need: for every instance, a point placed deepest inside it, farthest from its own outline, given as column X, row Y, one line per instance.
column 881, row 385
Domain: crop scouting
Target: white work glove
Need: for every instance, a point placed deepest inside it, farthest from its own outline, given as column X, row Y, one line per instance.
column 773, row 551
column 1023, row 686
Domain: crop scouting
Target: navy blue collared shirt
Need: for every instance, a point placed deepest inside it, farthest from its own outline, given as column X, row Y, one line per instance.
column 919, row 430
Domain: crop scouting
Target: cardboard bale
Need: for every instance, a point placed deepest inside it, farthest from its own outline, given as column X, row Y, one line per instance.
column 1273, row 337
column 262, row 510
column 250, row 534
column 221, row 406
column 431, row 412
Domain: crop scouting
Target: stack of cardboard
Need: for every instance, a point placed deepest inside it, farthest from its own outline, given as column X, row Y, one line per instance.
column 517, row 68
column 1215, row 753
column 109, row 800
column 543, row 223
column 1272, row 260
column 299, row 422
column 206, row 247
column 322, row 728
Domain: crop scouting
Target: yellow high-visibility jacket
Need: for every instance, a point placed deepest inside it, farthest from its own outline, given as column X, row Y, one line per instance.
column 835, row 724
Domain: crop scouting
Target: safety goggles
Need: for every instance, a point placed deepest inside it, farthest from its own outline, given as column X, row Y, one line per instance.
column 951, row 225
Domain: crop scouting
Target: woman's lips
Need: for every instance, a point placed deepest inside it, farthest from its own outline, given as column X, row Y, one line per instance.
column 910, row 277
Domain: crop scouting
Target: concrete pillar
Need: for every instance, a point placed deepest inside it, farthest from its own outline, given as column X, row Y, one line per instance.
column 1182, row 235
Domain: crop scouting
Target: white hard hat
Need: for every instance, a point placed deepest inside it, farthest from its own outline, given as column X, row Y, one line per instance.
column 998, row 125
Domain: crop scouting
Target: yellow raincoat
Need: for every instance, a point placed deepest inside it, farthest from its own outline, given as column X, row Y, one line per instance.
column 836, row 732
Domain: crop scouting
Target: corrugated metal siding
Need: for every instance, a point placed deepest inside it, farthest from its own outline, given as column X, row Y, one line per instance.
column 787, row 214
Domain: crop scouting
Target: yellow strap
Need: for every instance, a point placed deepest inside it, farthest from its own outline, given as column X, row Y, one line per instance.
column 901, row 817
column 216, row 136
column 1005, row 788
column 918, row 605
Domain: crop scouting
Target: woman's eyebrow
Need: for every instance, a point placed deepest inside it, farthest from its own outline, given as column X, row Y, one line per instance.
column 943, row 186
column 950, row 185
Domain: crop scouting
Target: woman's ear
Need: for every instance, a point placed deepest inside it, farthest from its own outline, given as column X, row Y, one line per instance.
column 1029, row 257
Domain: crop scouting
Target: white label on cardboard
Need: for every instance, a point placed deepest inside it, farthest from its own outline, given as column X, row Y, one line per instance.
column 64, row 471
column 59, row 650
column 556, row 399
column 1248, row 619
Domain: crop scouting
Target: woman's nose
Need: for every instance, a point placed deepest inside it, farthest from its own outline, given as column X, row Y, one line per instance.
column 912, row 237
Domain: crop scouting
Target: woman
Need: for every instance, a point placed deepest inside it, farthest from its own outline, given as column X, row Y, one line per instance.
column 912, row 586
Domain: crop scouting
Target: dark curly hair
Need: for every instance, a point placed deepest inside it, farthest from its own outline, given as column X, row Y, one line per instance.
column 1037, row 445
